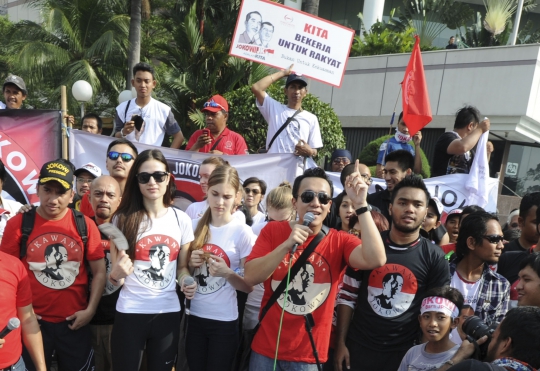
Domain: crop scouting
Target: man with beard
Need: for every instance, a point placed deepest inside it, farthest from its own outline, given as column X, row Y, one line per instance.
column 105, row 196
column 380, row 332
column 478, row 245
column 513, row 345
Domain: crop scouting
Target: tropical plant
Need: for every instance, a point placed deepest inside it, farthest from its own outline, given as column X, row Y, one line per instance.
column 370, row 152
column 498, row 14
column 77, row 40
column 246, row 119
column 529, row 34
column 5, row 29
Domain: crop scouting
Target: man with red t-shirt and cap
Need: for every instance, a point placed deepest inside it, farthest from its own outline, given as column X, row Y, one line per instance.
column 56, row 261
column 313, row 289
column 216, row 138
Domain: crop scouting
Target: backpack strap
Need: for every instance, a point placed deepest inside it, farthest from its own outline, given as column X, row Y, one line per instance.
column 126, row 111
column 82, row 228
column 27, row 226
column 285, row 124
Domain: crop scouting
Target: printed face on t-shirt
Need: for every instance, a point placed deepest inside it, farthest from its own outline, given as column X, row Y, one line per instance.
column 54, row 200
column 391, row 290
column 408, row 209
column 119, row 169
column 320, row 211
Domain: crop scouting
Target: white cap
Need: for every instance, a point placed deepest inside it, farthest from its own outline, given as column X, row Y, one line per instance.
column 91, row 168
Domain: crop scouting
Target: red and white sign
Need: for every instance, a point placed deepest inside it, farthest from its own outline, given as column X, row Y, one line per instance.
column 278, row 36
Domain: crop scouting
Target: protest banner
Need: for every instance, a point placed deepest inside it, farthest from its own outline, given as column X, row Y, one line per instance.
column 184, row 165
column 449, row 189
column 28, row 139
column 278, row 36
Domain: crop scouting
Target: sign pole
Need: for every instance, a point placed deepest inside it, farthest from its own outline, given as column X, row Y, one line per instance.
column 64, row 122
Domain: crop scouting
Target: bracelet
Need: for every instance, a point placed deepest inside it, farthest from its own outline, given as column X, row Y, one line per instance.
column 122, row 133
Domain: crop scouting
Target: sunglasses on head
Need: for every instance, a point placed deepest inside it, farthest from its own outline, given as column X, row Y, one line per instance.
column 126, row 157
column 159, row 177
column 494, row 238
column 308, row 196
column 213, row 104
column 249, row 190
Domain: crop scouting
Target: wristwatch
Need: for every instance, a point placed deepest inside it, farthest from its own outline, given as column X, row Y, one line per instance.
column 362, row 210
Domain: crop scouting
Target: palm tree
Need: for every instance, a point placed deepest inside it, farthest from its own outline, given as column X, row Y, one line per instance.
column 78, row 40
column 134, row 53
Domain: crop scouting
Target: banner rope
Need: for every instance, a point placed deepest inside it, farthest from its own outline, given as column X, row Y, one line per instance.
column 67, row 129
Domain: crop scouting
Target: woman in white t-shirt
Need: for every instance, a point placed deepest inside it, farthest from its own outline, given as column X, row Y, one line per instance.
column 279, row 207
column 219, row 250
column 254, row 189
column 158, row 236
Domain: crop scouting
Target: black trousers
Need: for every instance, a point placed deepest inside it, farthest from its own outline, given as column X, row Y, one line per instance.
column 211, row 345
column 132, row 332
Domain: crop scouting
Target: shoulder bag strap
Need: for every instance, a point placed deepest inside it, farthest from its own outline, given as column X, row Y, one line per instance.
column 28, row 220
column 215, row 144
column 126, row 111
column 283, row 128
column 294, row 270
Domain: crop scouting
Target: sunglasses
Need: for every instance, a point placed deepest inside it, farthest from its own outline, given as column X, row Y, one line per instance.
column 249, row 190
column 213, row 104
column 308, row 196
column 339, row 160
column 494, row 238
column 126, row 157
column 159, row 177
column 84, row 180
column 367, row 179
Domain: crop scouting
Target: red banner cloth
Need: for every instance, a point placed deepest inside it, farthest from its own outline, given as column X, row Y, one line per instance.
column 416, row 107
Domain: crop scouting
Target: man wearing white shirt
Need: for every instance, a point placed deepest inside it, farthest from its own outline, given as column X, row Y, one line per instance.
column 157, row 118
column 302, row 135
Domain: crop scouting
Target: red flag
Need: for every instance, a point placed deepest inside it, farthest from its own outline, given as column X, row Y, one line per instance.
column 416, row 107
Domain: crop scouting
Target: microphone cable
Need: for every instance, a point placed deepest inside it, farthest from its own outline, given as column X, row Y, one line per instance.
column 283, row 310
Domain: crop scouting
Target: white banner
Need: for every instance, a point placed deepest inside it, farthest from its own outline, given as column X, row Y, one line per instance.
column 278, row 36
column 449, row 189
column 184, row 165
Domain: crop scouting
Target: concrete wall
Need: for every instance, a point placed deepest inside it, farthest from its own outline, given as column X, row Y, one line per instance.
column 18, row 10
column 502, row 82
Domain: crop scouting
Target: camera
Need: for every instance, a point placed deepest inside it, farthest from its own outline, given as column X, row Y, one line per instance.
column 475, row 328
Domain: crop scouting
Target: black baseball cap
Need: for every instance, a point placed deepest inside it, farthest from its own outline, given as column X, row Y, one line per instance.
column 294, row 78
column 57, row 171
column 17, row 81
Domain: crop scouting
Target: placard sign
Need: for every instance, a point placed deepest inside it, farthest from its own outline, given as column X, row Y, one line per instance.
column 279, row 36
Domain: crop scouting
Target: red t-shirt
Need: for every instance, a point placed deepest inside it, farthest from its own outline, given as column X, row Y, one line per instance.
column 14, row 293
column 231, row 143
column 312, row 290
column 85, row 206
column 55, row 263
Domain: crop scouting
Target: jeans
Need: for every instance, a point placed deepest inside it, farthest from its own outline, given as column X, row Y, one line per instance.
column 258, row 362
column 19, row 366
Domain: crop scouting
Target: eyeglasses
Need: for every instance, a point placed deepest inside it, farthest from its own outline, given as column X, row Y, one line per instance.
column 159, row 177
column 344, row 160
column 84, row 180
column 213, row 104
column 367, row 179
column 255, row 191
column 308, row 196
column 126, row 157
column 494, row 238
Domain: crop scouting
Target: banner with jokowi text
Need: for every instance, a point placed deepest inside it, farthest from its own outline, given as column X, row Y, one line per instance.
column 28, row 139
column 278, row 36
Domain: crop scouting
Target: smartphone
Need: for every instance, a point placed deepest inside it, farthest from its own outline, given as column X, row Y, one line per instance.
column 207, row 133
column 138, row 121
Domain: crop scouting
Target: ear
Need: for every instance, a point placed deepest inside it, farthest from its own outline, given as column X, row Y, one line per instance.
column 390, row 209
column 505, row 347
column 455, row 323
column 294, row 201
column 408, row 171
column 471, row 243
column 420, row 318
column 438, row 224
column 521, row 222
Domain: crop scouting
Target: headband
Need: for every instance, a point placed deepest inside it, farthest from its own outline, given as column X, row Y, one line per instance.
column 438, row 304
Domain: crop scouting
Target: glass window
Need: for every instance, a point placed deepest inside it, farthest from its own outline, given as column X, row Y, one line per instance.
column 522, row 173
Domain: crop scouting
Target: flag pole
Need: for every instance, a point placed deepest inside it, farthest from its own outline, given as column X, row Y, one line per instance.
column 394, row 113
column 63, row 103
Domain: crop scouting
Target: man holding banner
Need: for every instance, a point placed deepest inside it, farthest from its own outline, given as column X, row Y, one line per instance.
column 290, row 128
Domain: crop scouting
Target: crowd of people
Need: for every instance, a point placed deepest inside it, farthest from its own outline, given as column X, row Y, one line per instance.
column 380, row 281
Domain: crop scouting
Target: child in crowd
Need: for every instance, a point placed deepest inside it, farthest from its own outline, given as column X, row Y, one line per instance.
column 439, row 315
column 433, row 221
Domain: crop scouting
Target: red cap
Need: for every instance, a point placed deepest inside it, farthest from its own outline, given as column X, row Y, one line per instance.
column 215, row 104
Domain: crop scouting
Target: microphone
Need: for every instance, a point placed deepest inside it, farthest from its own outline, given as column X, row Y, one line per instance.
column 309, row 217
column 188, row 281
column 12, row 324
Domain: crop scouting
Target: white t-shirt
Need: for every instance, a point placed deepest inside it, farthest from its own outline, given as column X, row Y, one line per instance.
column 417, row 359
column 197, row 209
column 216, row 297
column 255, row 297
column 304, row 126
column 151, row 288
column 158, row 120
column 8, row 209
column 469, row 290
column 2, row 105
column 258, row 218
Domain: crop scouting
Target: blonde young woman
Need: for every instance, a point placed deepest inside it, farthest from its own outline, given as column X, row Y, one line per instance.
column 158, row 235
column 279, row 207
column 218, row 252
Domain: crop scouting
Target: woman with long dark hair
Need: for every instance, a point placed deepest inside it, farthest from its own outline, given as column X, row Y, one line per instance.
column 148, row 308
column 219, row 250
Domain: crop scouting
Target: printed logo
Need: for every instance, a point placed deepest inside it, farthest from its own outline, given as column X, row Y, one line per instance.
column 308, row 289
column 153, row 256
column 207, row 284
column 228, row 145
column 391, row 290
column 288, row 18
column 55, row 260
